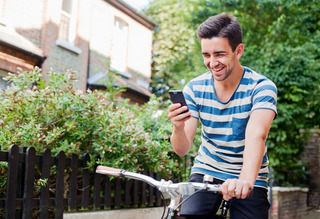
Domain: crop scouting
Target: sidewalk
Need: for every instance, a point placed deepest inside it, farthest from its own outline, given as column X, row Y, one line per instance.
column 138, row 213
column 313, row 215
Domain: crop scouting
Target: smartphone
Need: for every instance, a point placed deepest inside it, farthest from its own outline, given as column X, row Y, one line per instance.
column 176, row 96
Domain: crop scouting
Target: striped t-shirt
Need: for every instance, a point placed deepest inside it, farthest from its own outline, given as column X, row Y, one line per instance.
column 223, row 124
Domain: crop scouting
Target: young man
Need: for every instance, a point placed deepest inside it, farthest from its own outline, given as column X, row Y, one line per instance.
column 236, row 107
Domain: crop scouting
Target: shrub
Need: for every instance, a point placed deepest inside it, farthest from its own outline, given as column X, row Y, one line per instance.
column 52, row 114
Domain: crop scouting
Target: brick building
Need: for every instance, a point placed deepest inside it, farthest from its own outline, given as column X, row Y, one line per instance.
column 88, row 36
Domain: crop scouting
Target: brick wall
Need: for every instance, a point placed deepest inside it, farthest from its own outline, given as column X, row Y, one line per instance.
column 39, row 23
column 311, row 156
column 289, row 203
column 60, row 58
column 295, row 202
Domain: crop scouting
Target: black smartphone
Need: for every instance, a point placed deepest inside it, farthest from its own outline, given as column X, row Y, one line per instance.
column 176, row 96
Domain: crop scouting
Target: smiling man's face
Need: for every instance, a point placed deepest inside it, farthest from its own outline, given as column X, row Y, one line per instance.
column 218, row 57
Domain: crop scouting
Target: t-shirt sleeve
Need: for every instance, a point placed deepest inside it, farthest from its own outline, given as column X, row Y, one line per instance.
column 265, row 96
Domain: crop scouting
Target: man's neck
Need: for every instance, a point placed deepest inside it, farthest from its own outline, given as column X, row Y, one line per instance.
column 224, row 89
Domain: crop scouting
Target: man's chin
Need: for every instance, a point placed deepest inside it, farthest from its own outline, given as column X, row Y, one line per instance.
column 218, row 77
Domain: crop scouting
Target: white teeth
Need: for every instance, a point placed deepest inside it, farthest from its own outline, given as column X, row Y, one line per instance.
column 217, row 69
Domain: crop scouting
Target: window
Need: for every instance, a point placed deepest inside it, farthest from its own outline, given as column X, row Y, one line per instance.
column 67, row 28
column 119, row 45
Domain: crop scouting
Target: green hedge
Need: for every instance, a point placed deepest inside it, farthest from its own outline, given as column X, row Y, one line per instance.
column 51, row 113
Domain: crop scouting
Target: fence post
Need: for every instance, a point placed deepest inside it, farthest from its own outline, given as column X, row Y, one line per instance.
column 135, row 200
column 44, row 190
column 30, row 159
column 13, row 160
column 127, row 196
column 107, row 192
column 20, row 181
column 85, row 182
column 59, row 202
column 143, row 192
column 73, row 182
column 151, row 191
column 97, row 188
column 117, row 193
column 158, row 196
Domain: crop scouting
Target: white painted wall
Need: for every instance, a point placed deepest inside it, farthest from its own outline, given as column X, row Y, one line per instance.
column 139, row 37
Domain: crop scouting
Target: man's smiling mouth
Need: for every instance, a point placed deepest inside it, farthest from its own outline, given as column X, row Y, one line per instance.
column 217, row 69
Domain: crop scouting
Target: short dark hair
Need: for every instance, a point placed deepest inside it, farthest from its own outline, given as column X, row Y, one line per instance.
column 222, row 25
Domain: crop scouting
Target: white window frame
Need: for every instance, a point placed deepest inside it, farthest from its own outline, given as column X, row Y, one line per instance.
column 71, row 32
column 119, row 49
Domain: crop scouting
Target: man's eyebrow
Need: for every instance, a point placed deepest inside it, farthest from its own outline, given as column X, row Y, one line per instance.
column 216, row 53
column 220, row 52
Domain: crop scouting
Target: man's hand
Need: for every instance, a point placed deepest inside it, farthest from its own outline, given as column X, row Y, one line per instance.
column 236, row 188
column 184, row 128
column 174, row 113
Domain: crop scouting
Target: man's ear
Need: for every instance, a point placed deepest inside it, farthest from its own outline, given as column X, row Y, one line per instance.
column 239, row 50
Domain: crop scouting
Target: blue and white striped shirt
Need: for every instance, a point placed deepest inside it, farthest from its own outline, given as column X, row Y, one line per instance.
column 223, row 124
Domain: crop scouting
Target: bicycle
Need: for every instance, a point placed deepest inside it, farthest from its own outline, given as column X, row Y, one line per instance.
column 171, row 190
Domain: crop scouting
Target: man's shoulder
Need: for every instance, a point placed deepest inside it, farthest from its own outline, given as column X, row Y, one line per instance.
column 203, row 79
column 200, row 84
column 252, row 77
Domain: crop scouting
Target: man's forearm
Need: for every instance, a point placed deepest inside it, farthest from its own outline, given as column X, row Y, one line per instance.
column 180, row 142
column 256, row 134
column 252, row 160
column 182, row 138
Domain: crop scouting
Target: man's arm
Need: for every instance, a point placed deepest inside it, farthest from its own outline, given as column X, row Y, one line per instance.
column 256, row 133
column 184, row 129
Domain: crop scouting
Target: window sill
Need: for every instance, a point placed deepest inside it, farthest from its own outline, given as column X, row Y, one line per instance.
column 68, row 46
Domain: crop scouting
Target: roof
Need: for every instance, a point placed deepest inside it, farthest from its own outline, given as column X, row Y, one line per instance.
column 125, row 8
column 98, row 78
column 13, row 39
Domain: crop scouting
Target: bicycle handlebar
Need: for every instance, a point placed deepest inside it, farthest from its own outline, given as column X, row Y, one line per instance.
column 168, row 188
column 167, row 184
column 108, row 171
column 122, row 173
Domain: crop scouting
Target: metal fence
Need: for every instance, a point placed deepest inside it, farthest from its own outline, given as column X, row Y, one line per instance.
column 34, row 190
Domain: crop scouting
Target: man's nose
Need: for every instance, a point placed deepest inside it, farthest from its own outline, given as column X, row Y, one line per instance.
column 213, row 62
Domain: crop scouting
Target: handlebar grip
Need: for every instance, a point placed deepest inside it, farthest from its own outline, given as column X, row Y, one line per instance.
column 108, row 171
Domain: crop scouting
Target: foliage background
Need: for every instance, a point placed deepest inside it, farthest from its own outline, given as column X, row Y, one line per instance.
column 52, row 114
column 281, row 40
